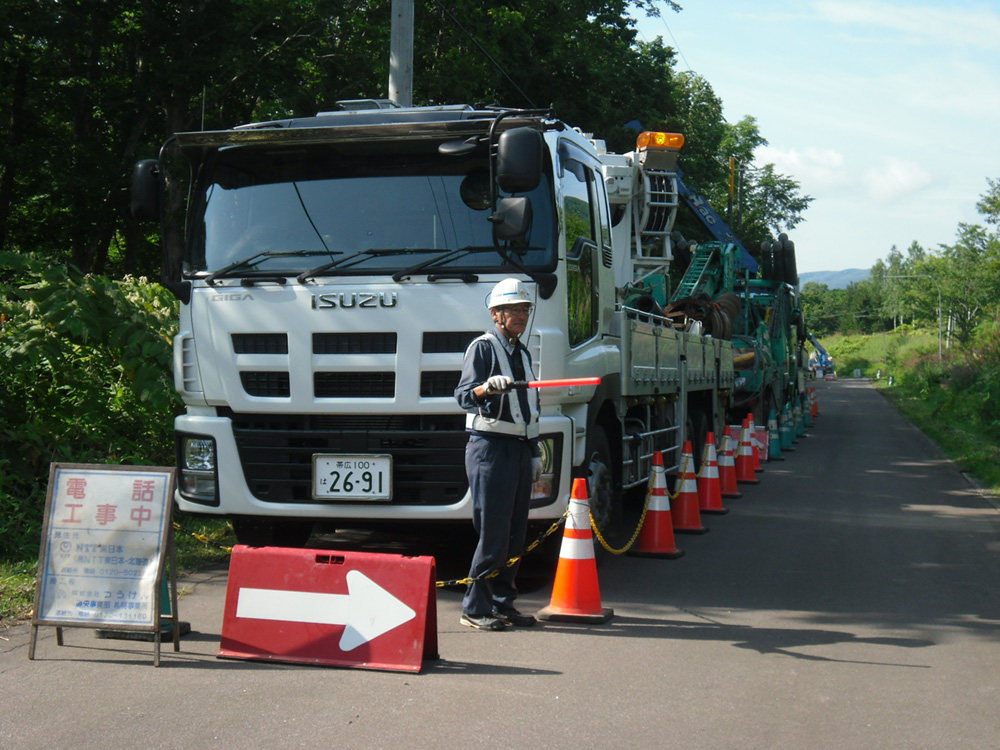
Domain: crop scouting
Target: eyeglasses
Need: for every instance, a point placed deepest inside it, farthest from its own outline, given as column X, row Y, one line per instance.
column 519, row 310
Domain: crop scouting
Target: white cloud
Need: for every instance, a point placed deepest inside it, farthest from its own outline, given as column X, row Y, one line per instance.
column 961, row 88
column 893, row 178
column 813, row 167
column 923, row 23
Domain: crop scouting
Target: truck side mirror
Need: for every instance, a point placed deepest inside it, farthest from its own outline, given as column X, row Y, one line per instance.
column 147, row 179
column 519, row 160
column 512, row 219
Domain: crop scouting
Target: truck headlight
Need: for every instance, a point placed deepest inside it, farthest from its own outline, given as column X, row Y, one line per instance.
column 546, row 489
column 196, row 459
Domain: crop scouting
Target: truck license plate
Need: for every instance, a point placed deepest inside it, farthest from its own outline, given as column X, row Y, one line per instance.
column 352, row 477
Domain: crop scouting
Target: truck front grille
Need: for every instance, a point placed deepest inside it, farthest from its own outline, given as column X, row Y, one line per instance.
column 354, row 343
column 266, row 384
column 443, row 342
column 428, row 452
column 260, row 343
column 354, row 384
column 437, row 384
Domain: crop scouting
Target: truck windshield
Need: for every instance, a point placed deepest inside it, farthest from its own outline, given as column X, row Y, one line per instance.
column 286, row 211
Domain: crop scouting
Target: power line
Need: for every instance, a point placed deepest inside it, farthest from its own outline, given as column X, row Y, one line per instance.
column 482, row 49
column 676, row 45
column 673, row 39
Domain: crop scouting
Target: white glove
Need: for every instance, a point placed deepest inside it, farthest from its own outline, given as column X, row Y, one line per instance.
column 536, row 469
column 498, row 384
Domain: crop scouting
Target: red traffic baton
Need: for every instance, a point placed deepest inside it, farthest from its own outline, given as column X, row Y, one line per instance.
column 558, row 383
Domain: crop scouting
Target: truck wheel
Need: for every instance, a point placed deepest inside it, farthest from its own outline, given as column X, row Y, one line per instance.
column 696, row 431
column 272, row 532
column 604, row 505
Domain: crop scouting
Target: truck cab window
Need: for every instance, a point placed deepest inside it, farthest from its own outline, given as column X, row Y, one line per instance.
column 579, row 211
column 581, row 292
column 577, row 208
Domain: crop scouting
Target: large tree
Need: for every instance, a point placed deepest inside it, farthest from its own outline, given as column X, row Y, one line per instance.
column 989, row 204
column 95, row 85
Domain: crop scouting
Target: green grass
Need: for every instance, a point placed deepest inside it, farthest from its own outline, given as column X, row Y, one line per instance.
column 973, row 448
column 17, row 591
column 193, row 553
column 876, row 352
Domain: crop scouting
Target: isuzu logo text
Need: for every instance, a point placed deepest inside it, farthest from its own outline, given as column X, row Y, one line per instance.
column 347, row 300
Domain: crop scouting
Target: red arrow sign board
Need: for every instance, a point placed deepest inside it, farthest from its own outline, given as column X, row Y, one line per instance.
column 346, row 609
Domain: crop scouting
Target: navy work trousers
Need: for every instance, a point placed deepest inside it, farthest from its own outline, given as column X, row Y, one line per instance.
column 499, row 471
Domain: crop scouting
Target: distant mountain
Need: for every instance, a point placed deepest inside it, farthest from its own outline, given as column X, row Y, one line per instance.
column 835, row 279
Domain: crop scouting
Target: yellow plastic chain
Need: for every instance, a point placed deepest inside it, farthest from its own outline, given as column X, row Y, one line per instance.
column 638, row 528
column 512, row 561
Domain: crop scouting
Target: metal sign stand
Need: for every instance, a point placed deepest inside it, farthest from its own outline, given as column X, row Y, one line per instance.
column 106, row 539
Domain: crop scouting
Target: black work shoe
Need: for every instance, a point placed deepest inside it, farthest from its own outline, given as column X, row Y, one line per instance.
column 513, row 617
column 483, row 622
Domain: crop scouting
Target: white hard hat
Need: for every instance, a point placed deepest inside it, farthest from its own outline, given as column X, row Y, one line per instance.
column 509, row 292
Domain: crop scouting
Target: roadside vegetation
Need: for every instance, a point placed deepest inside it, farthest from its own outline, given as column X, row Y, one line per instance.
column 86, row 379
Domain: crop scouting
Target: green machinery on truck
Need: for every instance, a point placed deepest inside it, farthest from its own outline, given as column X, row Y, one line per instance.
column 767, row 328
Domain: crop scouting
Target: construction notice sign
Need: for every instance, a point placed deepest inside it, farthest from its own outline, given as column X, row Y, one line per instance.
column 347, row 609
column 104, row 543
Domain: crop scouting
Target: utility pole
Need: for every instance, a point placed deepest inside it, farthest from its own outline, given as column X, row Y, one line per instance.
column 401, row 53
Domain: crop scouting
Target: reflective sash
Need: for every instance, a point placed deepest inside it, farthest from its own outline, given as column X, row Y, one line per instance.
column 517, row 428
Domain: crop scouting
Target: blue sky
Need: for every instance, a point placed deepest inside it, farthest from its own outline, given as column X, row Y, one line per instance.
column 887, row 113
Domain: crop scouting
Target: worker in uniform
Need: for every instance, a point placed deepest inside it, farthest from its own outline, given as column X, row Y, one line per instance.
column 502, row 458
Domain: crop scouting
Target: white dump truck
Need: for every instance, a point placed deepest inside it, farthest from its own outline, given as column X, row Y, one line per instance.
column 332, row 270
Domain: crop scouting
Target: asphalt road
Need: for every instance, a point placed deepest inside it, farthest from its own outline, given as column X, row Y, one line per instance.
column 847, row 601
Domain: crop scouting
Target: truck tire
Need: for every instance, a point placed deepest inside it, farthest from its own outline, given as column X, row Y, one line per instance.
column 791, row 270
column 272, row 532
column 778, row 263
column 695, row 431
column 766, row 262
column 605, row 507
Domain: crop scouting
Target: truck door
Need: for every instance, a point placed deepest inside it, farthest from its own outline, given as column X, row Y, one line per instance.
column 588, row 244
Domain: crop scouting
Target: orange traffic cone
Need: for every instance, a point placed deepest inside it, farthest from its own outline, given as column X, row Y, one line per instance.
column 686, row 517
column 709, row 488
column 727, row 466
column 813, row 404
column 576, row 597
column 744, row 458
column 656, row 539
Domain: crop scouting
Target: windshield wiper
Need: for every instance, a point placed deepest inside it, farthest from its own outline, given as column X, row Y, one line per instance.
column 371, row 252
column 444, row 257
column 254, row 260
column 438, row 260
column 303, row 277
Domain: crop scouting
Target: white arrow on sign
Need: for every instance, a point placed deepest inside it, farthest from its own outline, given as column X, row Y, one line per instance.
column 367, row 609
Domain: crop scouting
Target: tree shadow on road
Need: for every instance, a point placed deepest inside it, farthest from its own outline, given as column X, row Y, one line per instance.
column 779, row 641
